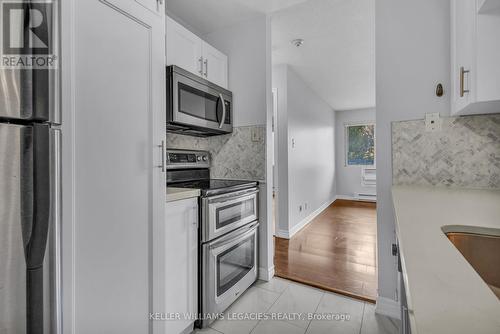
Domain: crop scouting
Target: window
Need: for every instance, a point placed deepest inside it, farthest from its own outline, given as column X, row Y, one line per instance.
column 360, row 145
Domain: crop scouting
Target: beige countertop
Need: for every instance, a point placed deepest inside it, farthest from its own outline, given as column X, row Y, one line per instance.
column 445, row 294
column 177, row 194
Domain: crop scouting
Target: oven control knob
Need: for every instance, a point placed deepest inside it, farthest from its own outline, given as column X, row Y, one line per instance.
column 205, row 158
column 198, row 158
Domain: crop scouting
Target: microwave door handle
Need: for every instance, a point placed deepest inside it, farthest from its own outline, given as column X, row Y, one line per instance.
column 223, row 111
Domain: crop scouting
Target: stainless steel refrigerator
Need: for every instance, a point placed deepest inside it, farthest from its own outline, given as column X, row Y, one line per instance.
column 29, row 202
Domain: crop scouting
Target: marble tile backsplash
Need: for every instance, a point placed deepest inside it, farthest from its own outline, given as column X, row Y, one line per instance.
column 465, row 153
column 234, row 156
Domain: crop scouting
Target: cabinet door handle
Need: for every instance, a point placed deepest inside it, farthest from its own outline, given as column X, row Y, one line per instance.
column 163, row 165
column 206, row 67
column 201, row 65
column 462, row 81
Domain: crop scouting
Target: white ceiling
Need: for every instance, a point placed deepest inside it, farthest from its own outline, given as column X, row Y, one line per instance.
column 337, row 59
column 206, row 16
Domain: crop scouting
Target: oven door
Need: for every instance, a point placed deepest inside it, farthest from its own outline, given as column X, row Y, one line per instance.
column 200, row 104
column 224, row 213
column 229, row 268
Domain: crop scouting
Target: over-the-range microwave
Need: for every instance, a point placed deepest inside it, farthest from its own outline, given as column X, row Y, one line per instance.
column 196, row 106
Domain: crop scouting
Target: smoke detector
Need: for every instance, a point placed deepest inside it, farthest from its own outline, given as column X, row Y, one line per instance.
column 298, row 42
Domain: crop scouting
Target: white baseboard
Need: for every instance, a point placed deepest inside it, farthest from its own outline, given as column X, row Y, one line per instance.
column 282, row 234
column 303, row 223
column 266, row 274
column 388, row 307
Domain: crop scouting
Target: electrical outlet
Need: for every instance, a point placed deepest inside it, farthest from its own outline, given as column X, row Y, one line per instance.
column 433, row 122
column 257, row 134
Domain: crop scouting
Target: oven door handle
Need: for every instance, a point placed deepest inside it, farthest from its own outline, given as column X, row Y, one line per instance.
column 229, row 240
column 232, row 197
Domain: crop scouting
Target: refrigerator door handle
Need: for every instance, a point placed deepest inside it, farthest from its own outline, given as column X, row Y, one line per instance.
column 35, row 229
column 36, row 240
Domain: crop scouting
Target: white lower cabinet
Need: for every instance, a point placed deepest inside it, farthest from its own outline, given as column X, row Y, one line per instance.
column 181, row 269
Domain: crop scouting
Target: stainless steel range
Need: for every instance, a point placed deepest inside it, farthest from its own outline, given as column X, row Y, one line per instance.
column 228, row 231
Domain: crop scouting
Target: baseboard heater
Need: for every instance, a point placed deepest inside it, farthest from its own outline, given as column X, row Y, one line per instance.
column 366, row 197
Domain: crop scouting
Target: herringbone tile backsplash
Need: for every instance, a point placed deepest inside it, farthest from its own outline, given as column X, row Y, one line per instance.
column 465, row 153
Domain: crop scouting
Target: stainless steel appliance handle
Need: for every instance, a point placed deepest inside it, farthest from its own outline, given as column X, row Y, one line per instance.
column 231, row 239
column 232, row 196
column 206, row 67
column 223, row 111
column 36, row 227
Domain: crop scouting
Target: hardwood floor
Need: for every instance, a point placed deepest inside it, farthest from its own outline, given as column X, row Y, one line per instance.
column 335, row 252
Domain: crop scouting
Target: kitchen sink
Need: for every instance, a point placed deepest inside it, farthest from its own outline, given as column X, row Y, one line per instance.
column 481, row 248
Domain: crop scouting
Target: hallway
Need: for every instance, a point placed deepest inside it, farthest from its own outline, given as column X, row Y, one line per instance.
column 335, row 252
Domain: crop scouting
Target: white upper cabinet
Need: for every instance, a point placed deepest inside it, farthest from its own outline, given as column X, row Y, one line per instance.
column 190, row 52
column 214, row 65
column 475, row 51
column 184, row 48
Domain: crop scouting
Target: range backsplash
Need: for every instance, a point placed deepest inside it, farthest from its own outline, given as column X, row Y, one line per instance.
column 234, row 156
column 465, row 153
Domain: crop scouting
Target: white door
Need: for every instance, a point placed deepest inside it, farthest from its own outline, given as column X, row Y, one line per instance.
column 118, row 190
column 214, row 65
column 181, row 275
column 183, row 48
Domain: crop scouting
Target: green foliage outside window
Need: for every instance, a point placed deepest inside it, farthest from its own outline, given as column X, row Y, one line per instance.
column 361, row 145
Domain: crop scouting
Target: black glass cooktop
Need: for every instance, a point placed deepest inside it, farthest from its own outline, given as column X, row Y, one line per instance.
column 215, row 186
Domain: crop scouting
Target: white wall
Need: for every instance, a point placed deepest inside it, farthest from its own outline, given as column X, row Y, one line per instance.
column 305, row 119
column 349, row 177
column 248, row 47
column 412, row 56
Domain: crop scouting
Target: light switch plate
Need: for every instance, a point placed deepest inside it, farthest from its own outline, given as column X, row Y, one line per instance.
column 433, row 122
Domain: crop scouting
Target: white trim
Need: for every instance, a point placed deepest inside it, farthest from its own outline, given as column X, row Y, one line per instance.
column 388, row 307
column 266, row 274
column 304, row 222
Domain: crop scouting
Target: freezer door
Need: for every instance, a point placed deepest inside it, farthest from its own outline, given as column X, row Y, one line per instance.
column 32, row 94
column 27, row 95
column 26, row 196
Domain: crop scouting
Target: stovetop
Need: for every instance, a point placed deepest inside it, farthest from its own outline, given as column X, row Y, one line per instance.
column 210, row 187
